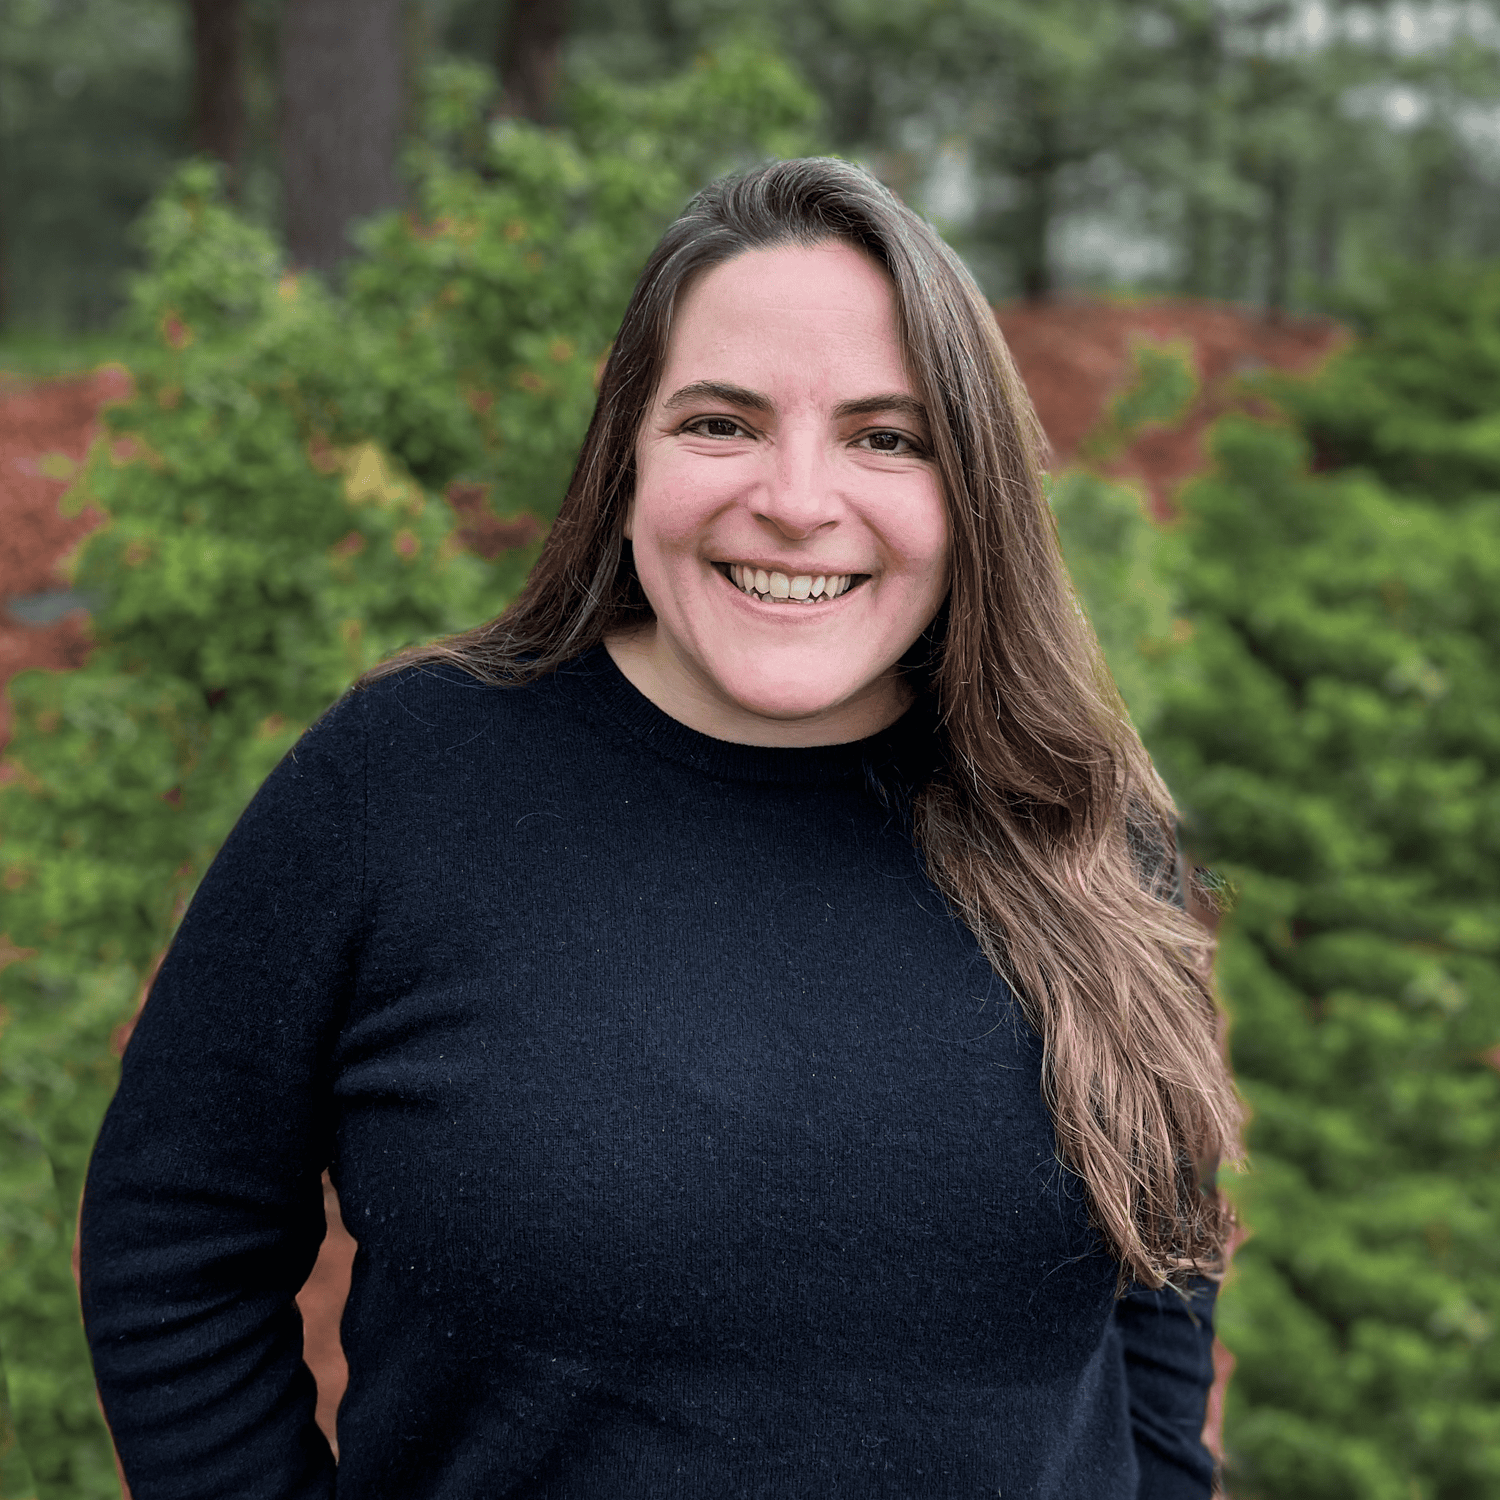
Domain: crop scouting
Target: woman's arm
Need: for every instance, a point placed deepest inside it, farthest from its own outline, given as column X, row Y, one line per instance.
column 1169, row 1367
column 203, row 1209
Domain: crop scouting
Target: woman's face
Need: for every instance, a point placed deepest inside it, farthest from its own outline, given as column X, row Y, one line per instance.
column 788, row 520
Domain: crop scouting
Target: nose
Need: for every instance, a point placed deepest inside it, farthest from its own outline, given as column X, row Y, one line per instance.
column 800, row 494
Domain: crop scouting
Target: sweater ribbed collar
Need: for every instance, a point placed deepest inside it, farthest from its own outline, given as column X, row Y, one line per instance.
column 899, row 756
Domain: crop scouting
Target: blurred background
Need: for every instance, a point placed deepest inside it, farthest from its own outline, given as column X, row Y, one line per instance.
column 1268, row 153
column 301, row 307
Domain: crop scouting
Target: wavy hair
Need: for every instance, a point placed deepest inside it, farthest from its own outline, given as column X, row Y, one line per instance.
column 1044, row 824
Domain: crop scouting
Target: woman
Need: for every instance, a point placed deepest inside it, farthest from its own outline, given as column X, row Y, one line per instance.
column 738, row 992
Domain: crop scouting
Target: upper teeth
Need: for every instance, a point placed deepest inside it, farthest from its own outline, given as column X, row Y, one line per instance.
column 805, row 586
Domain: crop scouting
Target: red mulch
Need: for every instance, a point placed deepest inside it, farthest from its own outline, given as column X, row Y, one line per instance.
column 1073, row 356
column 44, row 427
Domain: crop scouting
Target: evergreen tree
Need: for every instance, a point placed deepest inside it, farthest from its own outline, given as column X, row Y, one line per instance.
column 1269, row 152
column 1311, row 654
column 92, row 114
column 1415, row 401
column 1333, row 731
column 1263, row 152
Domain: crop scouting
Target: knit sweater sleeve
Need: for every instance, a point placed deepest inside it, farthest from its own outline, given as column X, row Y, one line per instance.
column 203, row 1209
column 1169, row 1367
column 1168, row 1339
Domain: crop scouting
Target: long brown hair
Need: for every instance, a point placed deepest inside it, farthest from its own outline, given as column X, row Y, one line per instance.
column 1045, row 824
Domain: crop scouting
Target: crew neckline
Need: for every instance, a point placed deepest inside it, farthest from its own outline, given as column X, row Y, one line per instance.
column 900, row 753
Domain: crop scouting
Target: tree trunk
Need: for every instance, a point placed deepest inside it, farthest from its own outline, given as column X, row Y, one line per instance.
column 1431, row 236
column 1198, row 260
column 530, row 51
column 1031, row 242
column 343, row 105
column 219, row 83
column 1036, row 172
column 1279, row 241
column 4, row 258
column 1326, row 244
column 1202, row 47
column 1038, row 182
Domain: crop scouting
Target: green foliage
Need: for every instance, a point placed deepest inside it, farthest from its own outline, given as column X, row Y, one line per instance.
column 56, row 1076
column 1334, row 734
column 93, row 100
column 1314, row 660
column 1265, row 151
column 1164, row 387
column 275, row 524
column 513, row 269
column 1116, row 557
column 1414, row 400
column 1234, row 150
column 1238, row 151
column 16, row 1482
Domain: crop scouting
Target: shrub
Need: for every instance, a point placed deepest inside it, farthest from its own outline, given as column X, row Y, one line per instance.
column 1335, row 739
column 1312, row 658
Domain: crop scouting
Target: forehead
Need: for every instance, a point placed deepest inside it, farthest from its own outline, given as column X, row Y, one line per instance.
column 824, row 310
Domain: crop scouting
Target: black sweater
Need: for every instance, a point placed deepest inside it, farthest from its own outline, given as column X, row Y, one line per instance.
column 692, row 1147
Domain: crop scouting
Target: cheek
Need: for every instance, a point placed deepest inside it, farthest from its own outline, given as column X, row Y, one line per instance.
column 918, row 532
column 673, row 515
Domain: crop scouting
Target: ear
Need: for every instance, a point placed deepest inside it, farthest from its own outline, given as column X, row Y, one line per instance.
column 628, row 530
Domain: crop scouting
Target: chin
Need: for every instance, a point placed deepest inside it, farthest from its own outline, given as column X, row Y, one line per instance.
column 790, row 696
column 790, row 710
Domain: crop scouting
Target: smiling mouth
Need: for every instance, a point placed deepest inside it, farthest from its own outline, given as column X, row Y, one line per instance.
column 783, row 588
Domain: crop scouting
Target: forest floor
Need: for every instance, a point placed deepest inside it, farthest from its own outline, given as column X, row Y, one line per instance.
column 1074, row 356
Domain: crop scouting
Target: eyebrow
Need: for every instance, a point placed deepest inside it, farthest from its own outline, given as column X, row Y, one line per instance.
column 907, row 406
column 748, row 400
column 717, row 390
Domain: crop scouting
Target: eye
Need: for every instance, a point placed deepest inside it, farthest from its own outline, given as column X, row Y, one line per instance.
column 887, row 440
column 715, row 427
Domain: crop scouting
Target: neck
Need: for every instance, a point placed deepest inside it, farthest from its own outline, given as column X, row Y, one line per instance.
column 701, row 706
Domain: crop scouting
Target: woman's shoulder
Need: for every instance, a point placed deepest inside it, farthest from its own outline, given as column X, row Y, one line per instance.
column 432, row 713
column 421, row 689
